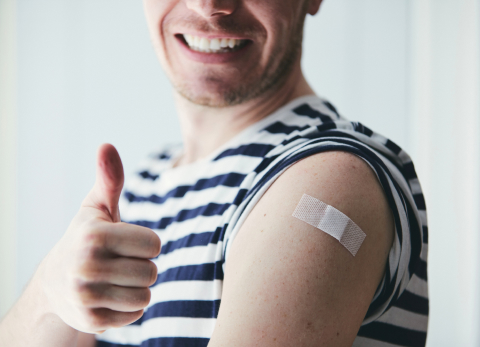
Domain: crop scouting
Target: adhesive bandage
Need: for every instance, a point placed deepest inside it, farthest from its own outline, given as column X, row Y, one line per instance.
column 330, row 220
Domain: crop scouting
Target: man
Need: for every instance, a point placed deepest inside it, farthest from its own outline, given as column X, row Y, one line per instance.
column 236, row 267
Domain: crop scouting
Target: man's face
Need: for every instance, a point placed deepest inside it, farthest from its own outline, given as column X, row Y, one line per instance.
column 225, row 52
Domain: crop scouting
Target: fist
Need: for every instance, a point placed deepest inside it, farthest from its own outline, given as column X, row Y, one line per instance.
column 98, row 275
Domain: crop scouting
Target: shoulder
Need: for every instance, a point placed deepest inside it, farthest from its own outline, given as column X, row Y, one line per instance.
column 339, row 179
column 335, row 177
column 311, row 288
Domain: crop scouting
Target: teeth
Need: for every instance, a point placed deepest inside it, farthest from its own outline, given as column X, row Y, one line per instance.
column 224, row 43
column 203, row 44
column 215, row 44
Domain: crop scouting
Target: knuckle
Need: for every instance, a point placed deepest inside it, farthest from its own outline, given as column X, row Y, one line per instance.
column 81, row 289
column 151, row 243
column 89, row 295
column 87, row 300
column 126, row 318
column 91, row 253
column 156, row 245
column 90, row 225
column 143, row 297
column 139, row 299
column 92, row 271
column 95, row 320
column 94, row 234
column 153, row 273
column 95, row 238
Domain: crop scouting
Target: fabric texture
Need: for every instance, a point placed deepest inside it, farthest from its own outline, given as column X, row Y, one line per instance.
column 198, row 209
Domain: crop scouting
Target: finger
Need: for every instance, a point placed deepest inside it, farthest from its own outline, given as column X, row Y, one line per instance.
column 129, row 240
column 109, row 182
column 104, row 318
column 125, row 272
column 116, row 298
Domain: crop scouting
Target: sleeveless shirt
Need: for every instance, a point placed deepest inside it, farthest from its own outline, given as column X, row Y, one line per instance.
column 198, row 209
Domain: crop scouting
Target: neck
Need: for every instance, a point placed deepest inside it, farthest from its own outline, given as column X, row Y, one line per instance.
column 204, row 129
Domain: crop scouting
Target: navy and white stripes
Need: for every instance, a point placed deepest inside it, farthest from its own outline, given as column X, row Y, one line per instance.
column 199, row 208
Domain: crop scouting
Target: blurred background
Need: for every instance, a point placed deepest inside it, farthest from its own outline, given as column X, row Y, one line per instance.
column 75, row 74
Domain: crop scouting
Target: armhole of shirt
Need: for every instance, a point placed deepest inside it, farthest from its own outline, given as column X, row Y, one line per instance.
column 396, row 276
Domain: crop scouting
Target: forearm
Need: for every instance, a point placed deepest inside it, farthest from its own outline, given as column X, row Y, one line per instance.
column 31, row 323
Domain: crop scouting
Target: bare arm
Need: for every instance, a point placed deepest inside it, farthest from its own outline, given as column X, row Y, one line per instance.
column 30, row 322
column 95, row 278
column 288, row 283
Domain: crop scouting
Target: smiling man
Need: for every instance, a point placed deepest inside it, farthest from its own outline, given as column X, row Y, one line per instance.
column 277, row 222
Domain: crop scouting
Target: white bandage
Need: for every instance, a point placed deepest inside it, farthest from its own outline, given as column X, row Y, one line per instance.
column 330, row 220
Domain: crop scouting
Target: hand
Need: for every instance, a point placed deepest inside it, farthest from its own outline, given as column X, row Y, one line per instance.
column 98, row 275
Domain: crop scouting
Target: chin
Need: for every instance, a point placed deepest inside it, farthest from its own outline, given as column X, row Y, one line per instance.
column 207, row 100
column 215, row 89
column 215, row 100
column 215, row 96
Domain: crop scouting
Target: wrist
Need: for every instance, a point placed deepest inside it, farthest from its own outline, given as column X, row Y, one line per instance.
column 32, row 321
column 38, row 289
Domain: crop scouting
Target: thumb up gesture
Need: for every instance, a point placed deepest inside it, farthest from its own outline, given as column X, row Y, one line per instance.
column 98, row 275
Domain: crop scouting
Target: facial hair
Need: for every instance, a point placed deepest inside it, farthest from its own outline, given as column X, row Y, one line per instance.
column 270, row 80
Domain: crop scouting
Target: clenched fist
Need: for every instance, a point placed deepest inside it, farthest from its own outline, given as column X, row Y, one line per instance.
column 98, row 275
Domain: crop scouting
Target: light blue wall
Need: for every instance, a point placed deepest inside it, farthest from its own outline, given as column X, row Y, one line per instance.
column 87, row 75
column 356, row 55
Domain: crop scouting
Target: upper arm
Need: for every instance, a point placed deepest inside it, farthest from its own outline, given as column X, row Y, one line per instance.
column 289, row 284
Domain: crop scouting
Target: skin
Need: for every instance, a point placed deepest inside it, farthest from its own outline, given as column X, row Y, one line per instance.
column 289, row 284
column 207, row 118
column 312, row 290
column 266, row 65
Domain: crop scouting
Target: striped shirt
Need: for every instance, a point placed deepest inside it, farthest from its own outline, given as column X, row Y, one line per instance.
column 198, row 209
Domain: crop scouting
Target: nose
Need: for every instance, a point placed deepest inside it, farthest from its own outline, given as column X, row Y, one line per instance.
column 212, row 8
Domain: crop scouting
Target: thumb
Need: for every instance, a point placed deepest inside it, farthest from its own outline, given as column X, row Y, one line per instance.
column 109, row 182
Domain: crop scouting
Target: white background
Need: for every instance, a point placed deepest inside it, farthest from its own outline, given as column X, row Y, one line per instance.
column 75, row 74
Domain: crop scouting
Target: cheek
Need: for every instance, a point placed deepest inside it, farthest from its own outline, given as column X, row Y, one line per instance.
column 155, row 12
column 150, row 8
column 280, row 18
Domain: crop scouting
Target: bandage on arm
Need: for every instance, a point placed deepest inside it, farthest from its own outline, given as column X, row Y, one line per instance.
column 331, row 221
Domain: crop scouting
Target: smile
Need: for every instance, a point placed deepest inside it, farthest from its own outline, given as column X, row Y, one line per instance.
column 216, row 45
